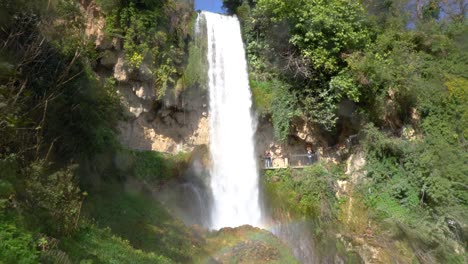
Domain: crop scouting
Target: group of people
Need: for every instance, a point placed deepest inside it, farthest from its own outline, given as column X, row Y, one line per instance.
column 269, row 164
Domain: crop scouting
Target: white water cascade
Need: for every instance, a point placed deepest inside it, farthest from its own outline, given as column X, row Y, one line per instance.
column 234, row 174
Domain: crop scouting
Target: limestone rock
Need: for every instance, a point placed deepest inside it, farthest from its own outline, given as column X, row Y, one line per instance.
column 133, row 104
column 143, row 91
column 145, row 73
column 307, row 132
column 355, row 171
column 109, row 59
column 117, row 44
column 121, row 69
column 95, row 24
column 165, row 133
column 355, row 165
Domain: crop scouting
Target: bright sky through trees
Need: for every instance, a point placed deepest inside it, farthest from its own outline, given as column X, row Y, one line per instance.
column 209, row 5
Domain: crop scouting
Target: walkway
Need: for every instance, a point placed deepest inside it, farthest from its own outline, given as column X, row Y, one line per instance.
column 293, row 161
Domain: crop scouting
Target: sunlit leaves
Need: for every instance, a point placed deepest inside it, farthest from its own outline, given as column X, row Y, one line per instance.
column 321, row 30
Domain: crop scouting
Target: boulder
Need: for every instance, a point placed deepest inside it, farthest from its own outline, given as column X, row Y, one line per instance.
column 143, row 91
column 121, row 69
column 109, row 59
column 133, row 105
column 145, row 73
column 95, row 24
column 247, row 244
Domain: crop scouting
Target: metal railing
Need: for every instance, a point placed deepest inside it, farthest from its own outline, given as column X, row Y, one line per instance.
column 301, row 160
column 291, row 161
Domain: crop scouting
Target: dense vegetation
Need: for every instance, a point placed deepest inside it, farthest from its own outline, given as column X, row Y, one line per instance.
column 307, row 192
column 64, row 179
column 59, row 157
column 154, row 33
column 402, row 66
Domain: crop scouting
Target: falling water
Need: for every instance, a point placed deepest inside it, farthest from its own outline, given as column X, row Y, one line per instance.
column 234, row 175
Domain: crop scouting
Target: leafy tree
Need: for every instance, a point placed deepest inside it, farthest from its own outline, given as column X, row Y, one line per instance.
column 232, row 5
column 53, row 113
column 310, row 40
column 54, row 198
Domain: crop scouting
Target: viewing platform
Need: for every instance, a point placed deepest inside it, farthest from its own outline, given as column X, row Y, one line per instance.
column 293, row 161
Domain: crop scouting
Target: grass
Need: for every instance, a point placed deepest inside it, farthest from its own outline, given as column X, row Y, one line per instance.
column 155, row 166
column 96, row 245
column 262, row 94
column 302, row 192
column 142, row 221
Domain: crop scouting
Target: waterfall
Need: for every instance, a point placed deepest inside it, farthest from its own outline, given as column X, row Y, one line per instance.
column 234, row 174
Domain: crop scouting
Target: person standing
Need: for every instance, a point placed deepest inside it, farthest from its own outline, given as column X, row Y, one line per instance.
column 267, row 159
column 310, row 155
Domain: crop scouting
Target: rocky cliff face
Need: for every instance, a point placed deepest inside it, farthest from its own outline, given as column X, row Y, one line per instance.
column 178, row 122
column 358, row 231
column 303, row 134
column 173, row 128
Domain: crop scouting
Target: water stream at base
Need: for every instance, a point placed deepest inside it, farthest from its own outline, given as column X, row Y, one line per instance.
column 234, row 172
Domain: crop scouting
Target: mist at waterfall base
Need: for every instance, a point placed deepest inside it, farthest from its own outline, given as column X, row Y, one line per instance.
column 189, row 197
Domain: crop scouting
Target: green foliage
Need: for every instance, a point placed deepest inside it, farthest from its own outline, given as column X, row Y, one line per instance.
column 283, row 103
column 155, row 166
column 154, row 33
column 343, row 84
column 414, row 182
column 236, row 6
column 308, row 193
column 16, row 245
column 142, row 221
column 72, row 115
column 53, row 112
column 232, row 5
column 6, row 190
column 329, row 51
column 53, row 198
column 151, row 165
column 321, row 30
column 263, row 96
column 196, row 72
column 431, row 10
column 94, row 245
column 304, row 44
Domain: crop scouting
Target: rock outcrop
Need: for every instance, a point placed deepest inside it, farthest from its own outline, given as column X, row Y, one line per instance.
column 179, row 123
column 359, row 232
column 169, row 130
column 247, row 244
column 303, row 135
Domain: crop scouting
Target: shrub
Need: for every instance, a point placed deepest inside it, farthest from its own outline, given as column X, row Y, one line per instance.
column 262, row 94
column 93, row 245
column 151, row 165
column 53, row 197
column 16, row 245
column 309, row 193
